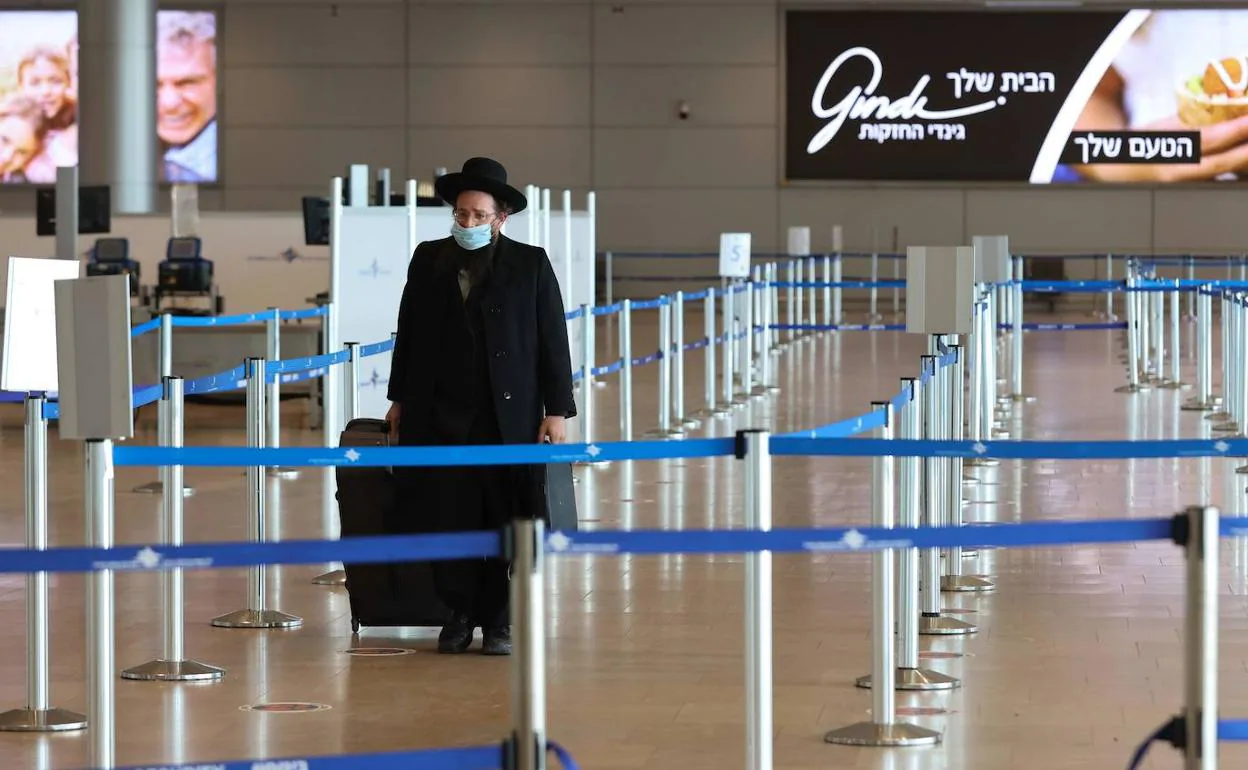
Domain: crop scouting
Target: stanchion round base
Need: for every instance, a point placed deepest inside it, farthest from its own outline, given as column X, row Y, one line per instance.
column 334, row 578
column 661, row 434
column 1199, row 406
column 871, row 734
column 1171, row 385
column 28, row 720
column 257, row 619
column 1138, row 387
column 689, row 422
column 916, row 679
column 1022, row 398
column 282, row 473
column 939, row 625
column 1242, row 470
column 965, row 583
column 600, row 383
column 156, row 488
column 979, row 462
column 173, row 671
column 1230, row 426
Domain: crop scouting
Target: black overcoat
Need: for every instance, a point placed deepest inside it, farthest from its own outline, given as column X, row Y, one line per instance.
column 526, row 341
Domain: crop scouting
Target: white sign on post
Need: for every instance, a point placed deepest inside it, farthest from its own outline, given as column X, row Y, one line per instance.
column 992, row 258
column 939, row 283
column 799, row 241
column 30, row 306
column 734, row 255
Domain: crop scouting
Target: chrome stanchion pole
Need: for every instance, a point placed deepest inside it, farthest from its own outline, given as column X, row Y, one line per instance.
column 352, row 375
column 273, row 431
column 165, row 363
column 528, row 668
column 838, row 297
column 1221, row 412
column 730, row 346
column 953, row 579
column 665, row 429
column 773, row 299
column 932, row 621
column 173, row 665
column 626, row 371
column 1205, row 400
column 257, row 615
column 1135, row 383
column 101, row 638
column 1109, row 295
column 38, row 715
column 1201, row 643
column 812, row 303
column 1016, row 357
column 827, row 289
column 791, row 305
column 745, row 351
column 1175, row 381
column 799, row 296
column 873, row 314
column 755, row 449
column 768, row 321
column 883, row 729
column 708, row 374
column 910, row 676
column 683, row 418
column 587, row 373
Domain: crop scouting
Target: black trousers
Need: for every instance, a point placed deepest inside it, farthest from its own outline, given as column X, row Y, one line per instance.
column 462, row 499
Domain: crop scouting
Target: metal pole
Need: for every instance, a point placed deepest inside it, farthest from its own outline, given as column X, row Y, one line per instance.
column 587, row 373
column 173, row 666
column 528, row 668
column 353, row 381
column 272, row 435
column 257, row 614
column 773, row 294
column 1204, row 400
column 626, row 371
column 1176, row 359
column 1016, row 359
column 953, row 579
column 883, row 728
column 609, row 279
column 873, row 315
column 931, row 621
column 1201, row 644
column 838, row 297
column 791, row 305
column 767, row 321
column 101, row 700
column 730, row 344
column 758, row 607
column 165, row 364
column 1135, row 383
column 683, row 417
column 665, row 428
column 799, row 296
column 745, row 362
column 38, row 715
column 827, row 290
column 331, row 438
column 910, row 676
column 1109, row 295
column 708, row 376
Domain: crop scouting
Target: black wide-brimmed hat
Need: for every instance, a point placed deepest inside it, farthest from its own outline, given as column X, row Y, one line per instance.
column 485, row 175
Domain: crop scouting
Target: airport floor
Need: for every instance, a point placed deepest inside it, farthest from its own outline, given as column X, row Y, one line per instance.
column 1078, row 657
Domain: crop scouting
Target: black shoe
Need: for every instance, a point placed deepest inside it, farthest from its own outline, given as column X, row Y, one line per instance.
column 497, row 641
column 456, row 636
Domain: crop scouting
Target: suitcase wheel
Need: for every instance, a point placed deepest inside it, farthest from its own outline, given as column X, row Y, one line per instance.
column 355, row 625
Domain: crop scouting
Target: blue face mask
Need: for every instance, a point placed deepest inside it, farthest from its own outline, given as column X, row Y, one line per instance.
column 472, row 238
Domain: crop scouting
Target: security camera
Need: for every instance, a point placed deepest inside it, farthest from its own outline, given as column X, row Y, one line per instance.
column 683, row 110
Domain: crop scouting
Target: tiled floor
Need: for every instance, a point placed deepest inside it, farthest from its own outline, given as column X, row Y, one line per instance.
column 1078, row 657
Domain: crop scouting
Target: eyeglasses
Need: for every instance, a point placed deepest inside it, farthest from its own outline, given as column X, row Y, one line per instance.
column 467, row 217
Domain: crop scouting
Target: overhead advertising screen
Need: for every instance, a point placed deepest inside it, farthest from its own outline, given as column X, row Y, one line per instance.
column 1044, row 97
column 39, row 89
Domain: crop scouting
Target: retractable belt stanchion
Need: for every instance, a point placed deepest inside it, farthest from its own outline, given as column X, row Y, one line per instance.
column 273, row 432
column 883, row 729
column 101, row 639
column 587, row 369
column 338, row 577
column 172, row 665
column 1135, row 383
column 932, row 621
column 1201, row 643
column 665, row 428
column 165, row 363
column 1220, row 413
column 1175, row 382
column 838, row 296
column 730, row 347
column 910, row 676
column 626, row 370
column 745, row 346
column 754, row 447
column 683, row 418
column 772, row 271
column 257, row 614
column 1016, row 356
column 38, row 715
column 873, row 314
column 1232, row 342
column 953, row 579
column 1205, row 400
column 763, row 353
column 799, row 298
column 528, row 666
column 827, row 289
column 790, row 309
column 708, row 374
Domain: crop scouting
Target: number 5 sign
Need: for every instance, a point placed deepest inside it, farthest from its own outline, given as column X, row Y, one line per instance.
column 734, row 255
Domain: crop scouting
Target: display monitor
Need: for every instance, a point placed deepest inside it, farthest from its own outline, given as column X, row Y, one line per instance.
column 95, row 210
column 39, row 88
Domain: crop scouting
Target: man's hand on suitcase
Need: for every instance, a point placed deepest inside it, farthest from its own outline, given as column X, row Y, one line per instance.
column 392, row 419
column 552, row 430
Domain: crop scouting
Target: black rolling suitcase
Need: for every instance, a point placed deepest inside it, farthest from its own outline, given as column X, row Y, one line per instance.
column 399, row 594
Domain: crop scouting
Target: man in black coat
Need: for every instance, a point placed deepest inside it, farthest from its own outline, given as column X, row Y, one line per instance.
column 481, row 356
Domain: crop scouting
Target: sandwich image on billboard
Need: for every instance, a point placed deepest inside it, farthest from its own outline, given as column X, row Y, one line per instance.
column 1040, row 96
